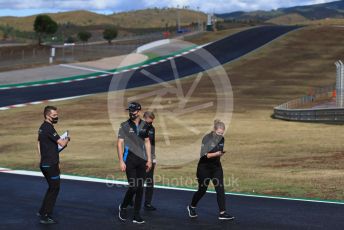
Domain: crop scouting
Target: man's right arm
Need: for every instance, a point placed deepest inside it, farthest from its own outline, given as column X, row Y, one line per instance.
column 63, row 142
column 120, row 150
column 53, row 135
column 38, row 149
column 215, row 154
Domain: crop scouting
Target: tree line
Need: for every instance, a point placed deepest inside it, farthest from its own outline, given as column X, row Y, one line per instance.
column 44, row 25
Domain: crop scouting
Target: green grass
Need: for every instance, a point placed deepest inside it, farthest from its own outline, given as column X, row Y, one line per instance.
column 151, row 55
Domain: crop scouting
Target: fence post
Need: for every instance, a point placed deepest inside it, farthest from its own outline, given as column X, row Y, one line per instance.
column 341, row 74
column 52, row 55
column 337, row 82
column 340, row 84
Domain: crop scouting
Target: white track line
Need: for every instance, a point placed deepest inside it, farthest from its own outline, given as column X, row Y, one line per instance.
column 107, row 73
column 40, row 102
column 67, row 98
column 87, row 69
column 104, row 74
column 116, row 182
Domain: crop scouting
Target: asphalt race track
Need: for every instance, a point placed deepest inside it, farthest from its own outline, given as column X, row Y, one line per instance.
column 224, row 50
column 87, row 205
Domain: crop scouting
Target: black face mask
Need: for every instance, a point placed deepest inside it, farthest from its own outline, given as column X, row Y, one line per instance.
column 54, row 120
column 133, row 116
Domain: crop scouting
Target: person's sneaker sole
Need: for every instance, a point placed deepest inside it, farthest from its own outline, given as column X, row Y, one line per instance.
column 137, row 222
column 188, row 208
column 119, row 214
column 222, row 218
column 47, row 222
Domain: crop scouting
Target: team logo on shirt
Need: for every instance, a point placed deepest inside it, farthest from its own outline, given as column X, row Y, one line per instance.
column 55, row 134
column 131, row 130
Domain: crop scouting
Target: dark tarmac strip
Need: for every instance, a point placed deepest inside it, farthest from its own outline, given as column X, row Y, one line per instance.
column 90, row 205
column 224, row 50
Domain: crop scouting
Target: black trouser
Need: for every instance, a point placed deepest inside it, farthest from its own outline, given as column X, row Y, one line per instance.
column 136, row 174
column 52, row 176
column 205, row 173
column 149, row 185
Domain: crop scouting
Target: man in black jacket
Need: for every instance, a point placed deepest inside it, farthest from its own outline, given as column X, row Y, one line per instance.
column 48, row 141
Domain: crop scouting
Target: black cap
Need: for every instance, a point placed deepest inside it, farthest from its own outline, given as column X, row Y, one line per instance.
column 134, row 106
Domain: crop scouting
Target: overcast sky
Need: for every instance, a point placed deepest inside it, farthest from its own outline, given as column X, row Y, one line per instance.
column 30, row 7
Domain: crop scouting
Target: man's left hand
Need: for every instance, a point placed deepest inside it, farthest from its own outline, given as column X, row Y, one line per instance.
column 148, row 166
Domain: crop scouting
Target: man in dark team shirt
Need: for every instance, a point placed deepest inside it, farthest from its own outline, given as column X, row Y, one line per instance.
column 148, row 117
column 48, row 141
column 133, row 137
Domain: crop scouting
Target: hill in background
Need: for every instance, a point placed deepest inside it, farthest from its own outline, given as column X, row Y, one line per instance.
column 160, row 18
column 289, row 19
column 81, row 18
column 292, row 15
column 157, row 18
column 148, row 18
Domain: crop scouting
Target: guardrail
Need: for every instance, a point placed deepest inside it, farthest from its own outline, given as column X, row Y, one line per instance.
column 320, row 114
column 293, row 111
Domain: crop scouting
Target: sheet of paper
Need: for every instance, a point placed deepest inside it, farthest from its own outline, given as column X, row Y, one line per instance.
column 63, row 136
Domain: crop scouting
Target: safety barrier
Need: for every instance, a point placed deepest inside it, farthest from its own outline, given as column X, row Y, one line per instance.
column 320, row 114
column 294, row 110
column 301, row 109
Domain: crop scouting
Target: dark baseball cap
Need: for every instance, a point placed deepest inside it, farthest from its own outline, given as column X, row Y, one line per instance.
column 134, row 106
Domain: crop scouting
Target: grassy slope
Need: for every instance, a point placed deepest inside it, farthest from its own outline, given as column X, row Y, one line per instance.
column 81, row 18
column 135, row 19
column 318, row 11
column 157, row 18
column 327, row 22
column 288, row 19
column 296, row 19
column 265, row 155
column 207, row 37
